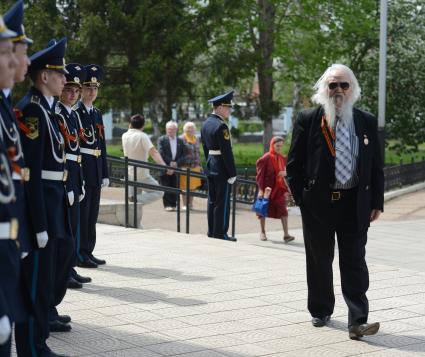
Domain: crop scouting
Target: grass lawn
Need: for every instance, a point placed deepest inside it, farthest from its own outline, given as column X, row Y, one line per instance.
column 247, row 154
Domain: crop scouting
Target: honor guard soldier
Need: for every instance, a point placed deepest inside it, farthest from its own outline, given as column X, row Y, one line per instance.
column 221, row 170
column 68, row 123
column 43, row 146
column 9, row 124
column 93, row 152
column 10, row 294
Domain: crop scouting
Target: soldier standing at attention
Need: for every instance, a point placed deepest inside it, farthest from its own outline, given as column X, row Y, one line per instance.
column 43, row 147
column 221, row 170
column 95, row 170
column 68, row 123
column 9, row 247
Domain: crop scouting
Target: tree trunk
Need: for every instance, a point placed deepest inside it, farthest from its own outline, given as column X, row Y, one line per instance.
column 296, row 101
column 265, row 50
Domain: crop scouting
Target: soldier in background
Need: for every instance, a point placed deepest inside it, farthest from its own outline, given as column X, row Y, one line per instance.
column 43, row 147
column 220, row 170
column 68, row 123
column 95, row 170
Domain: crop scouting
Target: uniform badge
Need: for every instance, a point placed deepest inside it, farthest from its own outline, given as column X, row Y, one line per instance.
column 32, row 125
column 94, row 69
column 35, row 99
column 226, row 134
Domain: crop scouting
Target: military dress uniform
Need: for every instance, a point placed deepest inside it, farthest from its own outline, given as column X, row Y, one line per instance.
column 95, row 170
column 10, row 302
column 43, row 146
column 215, row 137
column 68, row 123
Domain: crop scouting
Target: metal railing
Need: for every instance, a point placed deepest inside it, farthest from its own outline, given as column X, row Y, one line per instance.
column 243, row 190
column 404, row 174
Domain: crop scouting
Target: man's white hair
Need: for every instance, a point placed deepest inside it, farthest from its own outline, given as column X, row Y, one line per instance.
column 170, row 124
column 321, row 87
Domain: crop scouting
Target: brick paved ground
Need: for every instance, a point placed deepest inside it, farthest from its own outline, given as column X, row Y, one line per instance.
column 169, row 294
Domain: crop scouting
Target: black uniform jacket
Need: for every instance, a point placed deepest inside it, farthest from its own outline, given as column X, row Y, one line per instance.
column 215, row 135
column 68, row 123
column 44, row 150
column 95, row 169
column 12, row 141
column 311, row 167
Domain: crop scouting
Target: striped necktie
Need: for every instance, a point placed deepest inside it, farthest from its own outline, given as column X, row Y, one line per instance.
column 343, row 157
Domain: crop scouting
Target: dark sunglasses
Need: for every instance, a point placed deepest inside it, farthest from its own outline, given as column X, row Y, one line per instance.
column 342, row 85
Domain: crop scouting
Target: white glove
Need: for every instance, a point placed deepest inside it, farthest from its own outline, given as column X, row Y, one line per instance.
column 71, row 197
column 42, row 239
column 105, row 182
column 81, row 197
column 231, row 180
column 24, row 255
column 5, row 329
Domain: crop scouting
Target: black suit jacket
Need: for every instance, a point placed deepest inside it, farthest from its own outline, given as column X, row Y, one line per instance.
column 164, row 149
column 311, row 167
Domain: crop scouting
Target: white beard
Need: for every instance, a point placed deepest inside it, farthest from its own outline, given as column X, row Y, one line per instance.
column 331, row 111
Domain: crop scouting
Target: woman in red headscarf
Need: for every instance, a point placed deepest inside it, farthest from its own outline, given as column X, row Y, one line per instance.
column 270, row 173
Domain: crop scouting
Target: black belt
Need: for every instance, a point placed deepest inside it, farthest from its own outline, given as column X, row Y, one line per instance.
column 338, row 195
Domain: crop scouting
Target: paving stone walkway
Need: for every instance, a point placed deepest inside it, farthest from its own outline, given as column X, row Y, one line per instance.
column 169, row 294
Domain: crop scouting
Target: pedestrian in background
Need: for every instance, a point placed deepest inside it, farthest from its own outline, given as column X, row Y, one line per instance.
column 138, row 146
column 271, row 173
column 173, row 151
column 192, row 161
column 335, row 174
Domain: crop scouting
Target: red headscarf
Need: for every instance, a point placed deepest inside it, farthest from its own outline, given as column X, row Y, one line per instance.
column 278, row 162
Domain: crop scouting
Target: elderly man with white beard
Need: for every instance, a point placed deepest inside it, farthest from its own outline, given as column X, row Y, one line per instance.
column 334, row 171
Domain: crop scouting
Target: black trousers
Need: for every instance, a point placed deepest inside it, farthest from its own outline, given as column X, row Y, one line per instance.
column 62, row 266
column 169, row 199
column 39, row 273
column 319, row 239
column 89, row 211
column 74, row 217
column 218, row 208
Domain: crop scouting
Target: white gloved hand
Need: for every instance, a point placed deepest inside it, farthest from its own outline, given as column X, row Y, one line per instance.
column 81, row 197
column 105, row 182
column 24, row 255
column 71, row 197
column 231, row 180
column 42, row 239
column 5, row 329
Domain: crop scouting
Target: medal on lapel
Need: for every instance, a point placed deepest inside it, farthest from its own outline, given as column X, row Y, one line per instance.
column 365, row 140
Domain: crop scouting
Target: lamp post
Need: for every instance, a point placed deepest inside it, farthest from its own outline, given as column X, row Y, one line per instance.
column 382, row 76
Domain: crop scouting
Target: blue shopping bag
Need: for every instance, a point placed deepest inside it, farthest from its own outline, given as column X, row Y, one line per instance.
column 261, row 206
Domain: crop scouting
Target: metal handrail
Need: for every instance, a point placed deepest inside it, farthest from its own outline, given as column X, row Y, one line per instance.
column 135, row 164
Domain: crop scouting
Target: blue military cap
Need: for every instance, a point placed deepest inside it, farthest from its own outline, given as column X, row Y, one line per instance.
column 14, row 21
column 52, row 57
column 76, row 74
column 5, row 33
column 221, row 99
column 94, row 74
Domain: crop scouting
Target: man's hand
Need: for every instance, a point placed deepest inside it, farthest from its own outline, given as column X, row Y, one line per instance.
column 105, row 182
column 375, row 214
column 231, row 180
column 71, row 197
column 260, row 194
column 169, row 172
column 42, row 239
column 173, row 164
column 5, row 329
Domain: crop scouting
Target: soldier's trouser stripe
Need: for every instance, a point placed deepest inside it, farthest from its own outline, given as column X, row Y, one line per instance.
column 33, row 297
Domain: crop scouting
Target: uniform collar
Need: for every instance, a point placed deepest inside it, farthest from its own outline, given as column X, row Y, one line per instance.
column 7, row 92
column 68, row 109
column 87, row 108
column 218, row 116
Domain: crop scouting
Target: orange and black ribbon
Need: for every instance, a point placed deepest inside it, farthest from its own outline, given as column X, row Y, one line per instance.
column 329, row 135
column 82, row 135
column 100, row 129
column 65, row 133
column 11, row 153
column 19, row 118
